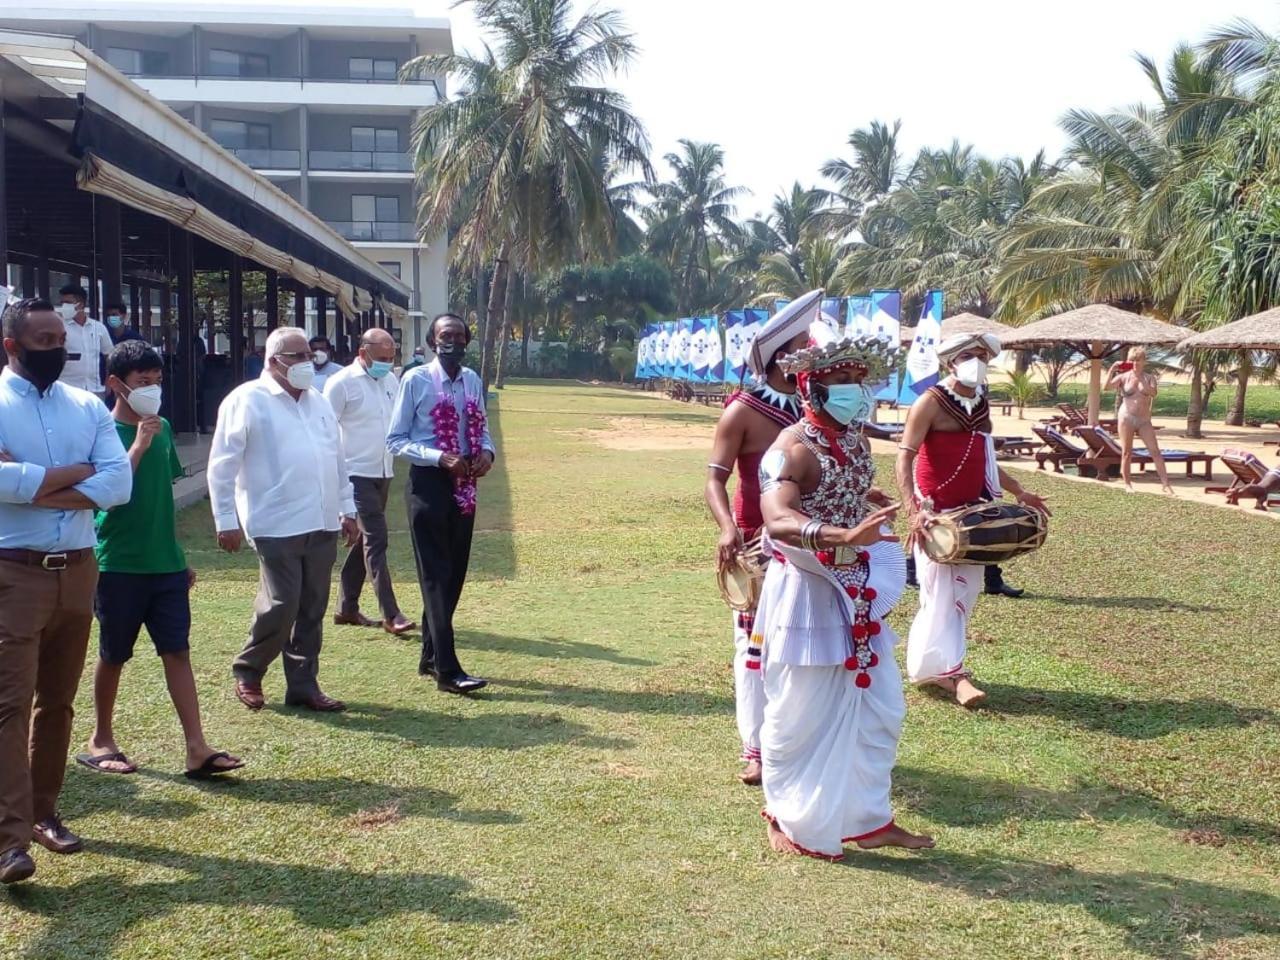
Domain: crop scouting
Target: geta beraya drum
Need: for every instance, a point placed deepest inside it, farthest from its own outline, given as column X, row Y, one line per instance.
column 984, row 533
column 740, row 582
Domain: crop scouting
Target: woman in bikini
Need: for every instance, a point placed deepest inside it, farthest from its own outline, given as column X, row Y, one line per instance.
column 1137, row 390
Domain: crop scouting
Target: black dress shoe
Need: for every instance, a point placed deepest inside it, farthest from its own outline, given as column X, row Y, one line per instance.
column 994, row 585
column 52, row 834
column 1004, row 590
column 428, row 670
column 460, row 684
column 16, row 865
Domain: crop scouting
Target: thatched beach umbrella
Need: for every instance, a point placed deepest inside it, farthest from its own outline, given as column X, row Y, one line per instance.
column 1096, row 331
column 1258, row 332
column 971, row 323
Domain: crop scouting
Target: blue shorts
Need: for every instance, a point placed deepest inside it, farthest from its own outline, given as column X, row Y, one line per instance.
column 127, row 602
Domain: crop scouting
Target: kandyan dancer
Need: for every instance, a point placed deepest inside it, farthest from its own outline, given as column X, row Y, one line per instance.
column 834, row 702
column 946, row 459
column 751, row 422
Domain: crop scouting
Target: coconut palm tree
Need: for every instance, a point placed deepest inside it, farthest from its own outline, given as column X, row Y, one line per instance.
column 876, row 169
column 513, row 157
column 691, row 216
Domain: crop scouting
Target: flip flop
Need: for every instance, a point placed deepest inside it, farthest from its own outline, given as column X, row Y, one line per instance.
column 96, row 763
column 209, row 769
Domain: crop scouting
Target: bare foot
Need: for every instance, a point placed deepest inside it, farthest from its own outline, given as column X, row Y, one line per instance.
column 895, row 836
column 1128, row 488
column 1168, row 491
column 779, row 842
column 946, row 685
column 751, row 773
column 967, row 695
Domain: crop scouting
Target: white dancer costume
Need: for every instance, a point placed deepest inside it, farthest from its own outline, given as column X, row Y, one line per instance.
column 748, row 686
column 834, row 704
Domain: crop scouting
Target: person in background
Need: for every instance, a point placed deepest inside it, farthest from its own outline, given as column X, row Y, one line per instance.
column 277, row 474
column 440, row 426
column 253, row 364
column 419, row 359
column 88, row 342
column 322, row 357
column 1137, row 390
column 362, row 396
column 1269, row 484
column 143, row 577
column 60, row 459
column 118, row 325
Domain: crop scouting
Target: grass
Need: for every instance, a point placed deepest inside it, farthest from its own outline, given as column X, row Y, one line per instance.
column 1120, row 797
column 1262, row 402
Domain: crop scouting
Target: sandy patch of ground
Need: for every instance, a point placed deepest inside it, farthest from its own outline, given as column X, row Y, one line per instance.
column 642, row 433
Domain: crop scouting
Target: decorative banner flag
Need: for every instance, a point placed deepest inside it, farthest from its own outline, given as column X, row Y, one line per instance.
column 886, row 311
column 662, row 350
column 683, row 348
column 757, row 317
column 644, row 353
column 857, row 317
column 833, row 307
column 779, row 304
column 735, row 345
column 707, row 361
column 922, row 360
column 698, row 350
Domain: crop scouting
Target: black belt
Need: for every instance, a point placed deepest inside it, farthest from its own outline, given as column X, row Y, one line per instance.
column 47, row 561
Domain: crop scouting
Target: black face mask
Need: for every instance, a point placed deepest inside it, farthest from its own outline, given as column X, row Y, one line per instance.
column 42, row 367
column 452, row 353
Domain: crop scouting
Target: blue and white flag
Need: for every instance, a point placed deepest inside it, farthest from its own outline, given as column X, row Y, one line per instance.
column 706, row 350
column 922, row 360
column 683, row 348
column 834, row 308
column 857, row 317
column 641, row 372
column 698, row 352
column 644, row 355
column 661, row 350
column 886, row 313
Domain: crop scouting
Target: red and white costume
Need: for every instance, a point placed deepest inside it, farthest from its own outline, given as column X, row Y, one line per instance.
column 952, row 470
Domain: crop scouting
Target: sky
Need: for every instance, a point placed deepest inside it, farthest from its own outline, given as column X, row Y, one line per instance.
column 781, row 85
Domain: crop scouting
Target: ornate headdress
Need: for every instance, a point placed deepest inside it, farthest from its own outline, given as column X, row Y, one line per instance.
column 785, row 325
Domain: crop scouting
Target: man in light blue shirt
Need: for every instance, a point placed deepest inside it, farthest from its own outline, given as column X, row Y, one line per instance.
column 60, row 459
column 439, row 425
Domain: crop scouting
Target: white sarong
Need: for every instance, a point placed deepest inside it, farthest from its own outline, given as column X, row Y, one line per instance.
column 748, row 685
column 937, row 642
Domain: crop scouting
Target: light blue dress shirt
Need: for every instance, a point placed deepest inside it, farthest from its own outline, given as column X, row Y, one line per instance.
column 412, row 434
column 63, row 427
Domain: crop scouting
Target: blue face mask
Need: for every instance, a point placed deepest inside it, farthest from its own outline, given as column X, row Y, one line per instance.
column 847, row 402
column 379, row 369
column 115, row 320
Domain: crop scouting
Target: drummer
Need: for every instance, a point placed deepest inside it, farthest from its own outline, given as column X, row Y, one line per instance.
column 752, row 419
column 946, row 459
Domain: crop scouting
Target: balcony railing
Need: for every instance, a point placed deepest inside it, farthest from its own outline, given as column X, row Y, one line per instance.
column 262, row 159
column 361, row 160
column 281, row 78
column 387, row 231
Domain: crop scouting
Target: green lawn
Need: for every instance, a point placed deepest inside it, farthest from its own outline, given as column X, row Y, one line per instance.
column 1119, row 798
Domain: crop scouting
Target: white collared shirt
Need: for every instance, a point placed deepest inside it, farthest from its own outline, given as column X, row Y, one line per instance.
column 276, row 467
column 363, row 407
column 330, row 369
column 87, row 343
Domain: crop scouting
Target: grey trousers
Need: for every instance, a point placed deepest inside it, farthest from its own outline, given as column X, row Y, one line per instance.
column 294, row 576
column 368, row 557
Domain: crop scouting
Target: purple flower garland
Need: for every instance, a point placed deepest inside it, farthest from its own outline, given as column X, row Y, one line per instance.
column 445, row 416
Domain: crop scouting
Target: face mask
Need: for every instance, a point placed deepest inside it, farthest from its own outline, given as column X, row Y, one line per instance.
column 67, row 311
column 114, row 320
column 145, row 400
column 42, row 367
column 972, row 372
column 451, row 352
column 847, row 402
column 321, row 358
column 379, row 369
column 301, row 375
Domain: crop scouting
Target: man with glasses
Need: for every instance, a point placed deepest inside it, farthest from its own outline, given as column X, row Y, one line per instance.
column 277, row 475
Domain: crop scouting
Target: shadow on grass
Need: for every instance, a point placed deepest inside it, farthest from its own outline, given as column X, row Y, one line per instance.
column 1121, row 716
column 959, row 800
column 683, row 703
column 87, row 918
column 493, row 550
column 1159, row 915
column 424, row 728
column 1156, row 604
column 550, row 647
column 88, row 794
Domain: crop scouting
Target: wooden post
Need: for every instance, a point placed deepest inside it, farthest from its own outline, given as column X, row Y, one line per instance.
column 185, row 361
column 144, row 321
column 1095, row 380
column 299, row 306
column 235, row 316
column 322, row 320
column 107, row 248
column 273, row 300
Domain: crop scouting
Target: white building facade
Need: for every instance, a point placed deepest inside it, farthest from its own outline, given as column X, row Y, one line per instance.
column 308, row 97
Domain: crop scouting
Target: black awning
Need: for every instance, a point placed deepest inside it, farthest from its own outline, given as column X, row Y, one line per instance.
column 102, row 135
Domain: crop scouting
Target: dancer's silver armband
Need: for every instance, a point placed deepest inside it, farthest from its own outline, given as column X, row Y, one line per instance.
column 772, row 470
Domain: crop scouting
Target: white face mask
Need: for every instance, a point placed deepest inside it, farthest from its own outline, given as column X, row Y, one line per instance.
column 972, row 372
column 301, row 375
column 67, row 311
column 145, row 400
column 321, row 358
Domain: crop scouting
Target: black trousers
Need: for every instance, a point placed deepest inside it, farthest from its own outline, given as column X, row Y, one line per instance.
column 442, row 550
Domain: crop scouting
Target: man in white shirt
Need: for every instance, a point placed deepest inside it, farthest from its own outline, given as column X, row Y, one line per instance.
column 322, row 357
column 362, row 396
column 88, row 341
column 277, row 473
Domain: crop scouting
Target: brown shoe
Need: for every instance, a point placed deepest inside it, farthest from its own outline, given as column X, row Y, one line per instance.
column 356, row 619
column 250, row 694
column 320, row 703
column 16, row 865
column 398, row 626
column 53, row 835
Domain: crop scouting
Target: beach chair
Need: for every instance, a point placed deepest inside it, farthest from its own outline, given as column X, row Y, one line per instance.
column 1246, row 469
column 1061, row 449
column 1105, row 452
column 1073, row 416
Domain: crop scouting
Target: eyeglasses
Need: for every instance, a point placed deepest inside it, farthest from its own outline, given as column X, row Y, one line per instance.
column 297, row 355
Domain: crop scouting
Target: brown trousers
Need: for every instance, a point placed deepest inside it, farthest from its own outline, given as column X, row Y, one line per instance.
column 45, row 618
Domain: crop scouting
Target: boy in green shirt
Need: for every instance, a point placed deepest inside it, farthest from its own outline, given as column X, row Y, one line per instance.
column 144, row 577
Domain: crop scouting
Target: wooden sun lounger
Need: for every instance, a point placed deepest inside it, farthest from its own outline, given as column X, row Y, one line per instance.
column 1008, row 448
column 1061, row 450
column 1105, row 453
column 1246, row 469
column 1073, row 416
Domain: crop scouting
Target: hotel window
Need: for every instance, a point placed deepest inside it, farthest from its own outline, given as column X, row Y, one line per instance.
column 371, row 68
column 391, row 266
column 238, row 135
column 138, row 62
column 232, row 63
column 380, row 139
column 370, row 209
